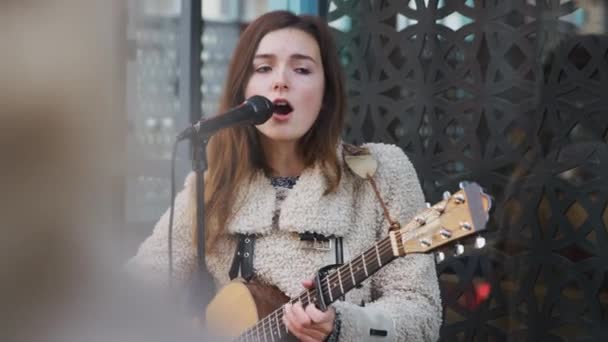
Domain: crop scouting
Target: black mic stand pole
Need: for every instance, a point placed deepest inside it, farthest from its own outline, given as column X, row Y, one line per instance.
column 203, row 284
column 191, row 27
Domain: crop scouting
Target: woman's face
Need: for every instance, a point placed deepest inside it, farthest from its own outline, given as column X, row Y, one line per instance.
column 287, row 69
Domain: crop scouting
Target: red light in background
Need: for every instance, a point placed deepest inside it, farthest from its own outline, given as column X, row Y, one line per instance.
column 479, row 293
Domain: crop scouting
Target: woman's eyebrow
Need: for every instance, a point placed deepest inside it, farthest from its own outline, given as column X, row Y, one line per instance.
column 264, row 56
column 297, row 56
column 302, row 57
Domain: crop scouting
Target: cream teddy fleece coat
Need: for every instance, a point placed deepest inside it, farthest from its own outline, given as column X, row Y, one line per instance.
column 401, row 299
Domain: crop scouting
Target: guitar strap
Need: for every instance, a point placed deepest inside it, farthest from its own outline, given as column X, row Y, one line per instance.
column 243, row 257
column 362, row 163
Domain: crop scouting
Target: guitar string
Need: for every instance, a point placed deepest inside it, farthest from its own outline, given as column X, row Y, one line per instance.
column 332, row 277
column 358, row 262
column 428, row 215
column 384, row 246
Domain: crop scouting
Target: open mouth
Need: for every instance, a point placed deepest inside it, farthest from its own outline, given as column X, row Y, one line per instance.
column 282, row 107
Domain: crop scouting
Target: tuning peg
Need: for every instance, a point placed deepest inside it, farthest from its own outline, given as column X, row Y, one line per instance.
column 480, row 242
column 445, row 233
column 459, row 249
column 440, row 257
column 465, row 225
column 424, row 242
column 446, row 195
column 463, row 184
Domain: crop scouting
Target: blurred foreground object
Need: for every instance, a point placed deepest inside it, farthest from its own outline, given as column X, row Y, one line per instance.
column 61, row 136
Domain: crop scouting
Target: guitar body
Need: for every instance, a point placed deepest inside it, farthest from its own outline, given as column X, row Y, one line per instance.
column 239, row 306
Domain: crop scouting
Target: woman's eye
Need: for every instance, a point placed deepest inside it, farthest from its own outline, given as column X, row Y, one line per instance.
column 263, row 69
column 302, row 71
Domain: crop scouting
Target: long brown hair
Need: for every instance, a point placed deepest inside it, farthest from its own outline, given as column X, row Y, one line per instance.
column 235, row 155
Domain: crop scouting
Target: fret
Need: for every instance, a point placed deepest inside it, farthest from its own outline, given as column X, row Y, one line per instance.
column 276, row 318
column 282, row 314
column 271, row 334
column 308, row 295
column 257, row 332
column 270, row 328
column 264, row 331
column 340, row 281
column 331, row 297
column 352, row 274
column 364, row 265
column 378, row 256
column 388, row 255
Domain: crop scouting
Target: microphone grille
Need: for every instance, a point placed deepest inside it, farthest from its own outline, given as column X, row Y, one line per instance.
column 262, row 109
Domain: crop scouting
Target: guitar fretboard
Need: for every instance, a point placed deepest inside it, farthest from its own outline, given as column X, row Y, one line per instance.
column 333, row 286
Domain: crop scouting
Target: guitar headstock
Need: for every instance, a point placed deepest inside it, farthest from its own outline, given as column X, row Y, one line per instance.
column 459, row 215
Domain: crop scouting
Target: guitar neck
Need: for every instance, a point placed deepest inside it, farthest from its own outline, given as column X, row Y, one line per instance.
column 333, row 286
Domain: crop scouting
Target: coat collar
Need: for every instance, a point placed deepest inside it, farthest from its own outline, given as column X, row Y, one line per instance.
column 306, row 208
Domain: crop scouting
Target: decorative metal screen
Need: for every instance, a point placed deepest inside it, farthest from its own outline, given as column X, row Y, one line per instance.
column 510, row 94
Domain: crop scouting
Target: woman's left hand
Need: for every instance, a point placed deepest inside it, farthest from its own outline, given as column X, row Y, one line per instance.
column 309, row 324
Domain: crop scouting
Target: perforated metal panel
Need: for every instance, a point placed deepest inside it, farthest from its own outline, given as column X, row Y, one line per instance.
column 510, row 94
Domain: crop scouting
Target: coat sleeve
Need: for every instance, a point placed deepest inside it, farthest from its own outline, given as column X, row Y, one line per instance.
column 152, row 259
column 407, row 305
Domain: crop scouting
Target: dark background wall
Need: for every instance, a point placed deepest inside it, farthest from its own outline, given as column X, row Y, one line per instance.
column 512, row 95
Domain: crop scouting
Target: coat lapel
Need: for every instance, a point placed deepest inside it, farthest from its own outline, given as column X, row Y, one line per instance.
column 254, row 207
column 305, row 209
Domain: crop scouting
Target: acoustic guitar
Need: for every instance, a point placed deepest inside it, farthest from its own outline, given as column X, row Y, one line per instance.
column 253, row 312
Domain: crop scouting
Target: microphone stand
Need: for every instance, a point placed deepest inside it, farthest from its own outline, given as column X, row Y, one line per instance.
column 202, row 281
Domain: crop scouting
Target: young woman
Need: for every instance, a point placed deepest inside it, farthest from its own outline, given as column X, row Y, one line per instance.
column 276, row 184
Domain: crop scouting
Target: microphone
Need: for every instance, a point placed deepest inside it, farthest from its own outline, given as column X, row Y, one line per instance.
column 255, row 110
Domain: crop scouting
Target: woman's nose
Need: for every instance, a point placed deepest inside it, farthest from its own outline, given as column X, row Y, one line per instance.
column 280, row 85
column 280, row 82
